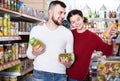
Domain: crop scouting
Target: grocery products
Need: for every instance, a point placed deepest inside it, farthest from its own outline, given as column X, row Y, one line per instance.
column 107, row 31
column 70, row 56
column 13, row 78
column 6, row 24
column 109, row 70
column 1, row 28
column 1, row 54
column 35, row 42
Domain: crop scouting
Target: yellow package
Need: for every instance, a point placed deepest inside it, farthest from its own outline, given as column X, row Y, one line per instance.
column 106, row 33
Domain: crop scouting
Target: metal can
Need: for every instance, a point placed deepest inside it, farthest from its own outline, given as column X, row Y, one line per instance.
column 1, row 26
column 1, row 3
column 5, row 4
column 13, row 78
column 1, row 54
column 6, row 78
column 7, row 52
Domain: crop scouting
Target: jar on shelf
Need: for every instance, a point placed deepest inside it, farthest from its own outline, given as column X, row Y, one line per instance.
column 1, row 54
column 1, row 27
column 13, row 78
column 7, row 53
column 6, row 78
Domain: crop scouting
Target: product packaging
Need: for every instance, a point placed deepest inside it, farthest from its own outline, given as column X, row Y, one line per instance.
column 70, row 56
column 107, row 32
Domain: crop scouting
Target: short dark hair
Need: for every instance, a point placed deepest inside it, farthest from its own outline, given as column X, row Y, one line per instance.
column 54, row 3
column 74, row 12
column 85, row 20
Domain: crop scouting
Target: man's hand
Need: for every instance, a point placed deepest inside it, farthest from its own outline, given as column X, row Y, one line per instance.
column 65, row 61
column 37, row 50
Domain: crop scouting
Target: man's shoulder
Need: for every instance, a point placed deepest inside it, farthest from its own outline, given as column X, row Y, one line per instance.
column 66, row 32
column 38, row 27
column 65, row 29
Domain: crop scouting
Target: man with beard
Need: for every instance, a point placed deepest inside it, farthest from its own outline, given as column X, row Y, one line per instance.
column 57, row 39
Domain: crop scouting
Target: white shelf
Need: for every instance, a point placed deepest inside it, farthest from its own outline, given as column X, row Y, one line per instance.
column 22, row 55
column 17, row 73
column 9, row 64
column 103, row 19
column 24, row 33
column 10, row 38
column 19, row 15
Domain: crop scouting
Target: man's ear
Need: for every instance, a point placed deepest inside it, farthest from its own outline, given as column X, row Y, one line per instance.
column 50, row 12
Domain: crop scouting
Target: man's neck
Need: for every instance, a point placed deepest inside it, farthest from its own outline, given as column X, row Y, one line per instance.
column 51, row 25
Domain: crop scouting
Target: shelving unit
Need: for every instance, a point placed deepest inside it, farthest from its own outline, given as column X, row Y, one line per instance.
column 9, row 38
column 20, row 16
column 103, row 19
column 9, row 64
column 24, row 33
column 100, row 25
column 21, row 37
column 17, row 73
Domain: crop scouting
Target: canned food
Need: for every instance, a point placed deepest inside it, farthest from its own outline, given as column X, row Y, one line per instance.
column 7, row 52
column 6, row 78
column 1, row 54
column 1, row 27
column 13, row 78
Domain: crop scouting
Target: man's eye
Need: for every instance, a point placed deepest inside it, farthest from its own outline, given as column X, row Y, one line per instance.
column 60, row 12
column 78, row 19
column 72, row 22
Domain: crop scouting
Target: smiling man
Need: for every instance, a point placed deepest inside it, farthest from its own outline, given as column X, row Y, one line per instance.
column 57, row 39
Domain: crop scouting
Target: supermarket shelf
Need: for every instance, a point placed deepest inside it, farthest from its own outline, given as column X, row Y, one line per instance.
column 103, row 19
column 9, row 64
column 22, row 55
column 30, row 17
column 20, row 16
column 116, row 58
column 26, row 71
column 16, row 73
column 95, row 19
column 9, row 11
column 10, row 38
column 24, row 33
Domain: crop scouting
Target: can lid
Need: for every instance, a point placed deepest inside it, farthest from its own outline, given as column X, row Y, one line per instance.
column 72, row 56
column 32, row 40
column 13, row 76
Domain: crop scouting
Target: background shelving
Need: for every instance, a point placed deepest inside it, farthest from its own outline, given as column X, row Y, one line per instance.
column 23, row 20
column 17, row 73
column 9, row 64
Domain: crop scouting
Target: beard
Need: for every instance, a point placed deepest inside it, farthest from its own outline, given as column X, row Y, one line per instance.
column 56, row 21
